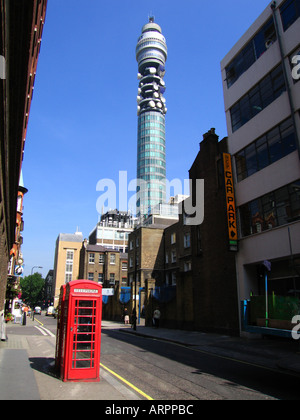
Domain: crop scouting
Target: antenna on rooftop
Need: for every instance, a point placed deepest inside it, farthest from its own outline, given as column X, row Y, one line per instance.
column 151, row 17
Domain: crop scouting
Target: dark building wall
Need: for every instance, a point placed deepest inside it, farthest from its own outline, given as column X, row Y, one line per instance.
column 20, row 40
column 213, row 265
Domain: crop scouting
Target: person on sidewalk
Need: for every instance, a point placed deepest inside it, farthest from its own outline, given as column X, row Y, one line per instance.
column 126, row 317
column 156, row 317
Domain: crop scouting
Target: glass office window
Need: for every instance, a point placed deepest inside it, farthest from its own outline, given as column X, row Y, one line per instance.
column 290, row 12
column 276, row 144
column 251, row 52
column 258, row 98
column 271, row 210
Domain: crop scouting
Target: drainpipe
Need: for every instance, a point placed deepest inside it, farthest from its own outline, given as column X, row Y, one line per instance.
column 291, row 102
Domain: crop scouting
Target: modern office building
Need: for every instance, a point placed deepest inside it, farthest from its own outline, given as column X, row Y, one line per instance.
column 151, row 55
column 262, row 103
column 112, row 230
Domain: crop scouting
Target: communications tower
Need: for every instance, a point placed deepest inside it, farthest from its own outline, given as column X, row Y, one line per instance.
column 151, row 55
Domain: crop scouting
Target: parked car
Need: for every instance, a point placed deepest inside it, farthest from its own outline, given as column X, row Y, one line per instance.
column 55, row 313
column 38, row 310
column 50, row 311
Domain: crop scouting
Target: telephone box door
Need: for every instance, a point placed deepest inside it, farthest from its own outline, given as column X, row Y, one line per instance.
column 85, row 336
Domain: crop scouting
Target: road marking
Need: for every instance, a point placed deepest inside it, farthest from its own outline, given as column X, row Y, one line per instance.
column 126, row 382
column 40, row 330
column 38, row 321
column 44, row 330
column 49, row 332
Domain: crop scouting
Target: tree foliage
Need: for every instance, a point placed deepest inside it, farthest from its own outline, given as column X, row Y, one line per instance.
column 33, row 289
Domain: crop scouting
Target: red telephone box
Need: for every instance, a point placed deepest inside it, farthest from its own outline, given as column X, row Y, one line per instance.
column 79, row 331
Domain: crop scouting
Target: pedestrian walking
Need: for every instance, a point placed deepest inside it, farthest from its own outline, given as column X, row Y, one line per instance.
column 126, row 316
column 156, row 317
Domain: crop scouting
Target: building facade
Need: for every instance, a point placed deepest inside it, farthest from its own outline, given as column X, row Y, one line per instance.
column 20, row 41
column 109, row 268
column 189, row 270
column 105, row 266
column 112, row 230
column 151, row 55
column 215, row 297
column 262, row 103
column 66, row 261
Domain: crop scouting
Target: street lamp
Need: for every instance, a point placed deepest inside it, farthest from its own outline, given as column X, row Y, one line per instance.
column 35, row 266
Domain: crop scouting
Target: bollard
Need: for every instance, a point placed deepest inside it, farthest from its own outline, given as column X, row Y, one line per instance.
column 3, row 328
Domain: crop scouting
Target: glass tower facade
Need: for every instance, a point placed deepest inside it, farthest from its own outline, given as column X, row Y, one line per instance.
column 151, row 55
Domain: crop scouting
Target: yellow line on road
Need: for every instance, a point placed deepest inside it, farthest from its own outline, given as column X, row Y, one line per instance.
column 39, row 322
column 126, row 382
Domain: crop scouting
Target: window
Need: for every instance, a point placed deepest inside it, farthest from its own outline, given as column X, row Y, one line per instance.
column 277, row 208
column 290, row 11
column 91, row 276
column 100, row 278
column 69, row 266
column 258, row 98
column 173, row 256
column 113, row 258
column 101, row 258
column 91, row 258
column 173, row 238
column 173, row 279
column 187, row 266
column 124, row 265
column 112, row 278
column 276, row 144
column 251, row 52
column 70, row 255
column 187, row 240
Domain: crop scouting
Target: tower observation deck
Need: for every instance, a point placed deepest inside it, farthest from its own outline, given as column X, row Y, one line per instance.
column 151, row 55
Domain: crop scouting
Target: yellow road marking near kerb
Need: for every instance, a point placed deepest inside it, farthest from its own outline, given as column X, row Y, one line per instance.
column 39, row 322
column 126, row 382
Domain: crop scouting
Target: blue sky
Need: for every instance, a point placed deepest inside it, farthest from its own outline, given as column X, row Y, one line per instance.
column 83, row 122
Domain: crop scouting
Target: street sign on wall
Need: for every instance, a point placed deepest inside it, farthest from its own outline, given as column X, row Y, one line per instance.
column 230, row 202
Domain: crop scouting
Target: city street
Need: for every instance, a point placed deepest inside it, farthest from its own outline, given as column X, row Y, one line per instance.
column 160, row 370
column 171, row 372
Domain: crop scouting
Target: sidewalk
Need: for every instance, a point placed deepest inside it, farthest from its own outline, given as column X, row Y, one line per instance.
column 27, row 361
column 27, row 371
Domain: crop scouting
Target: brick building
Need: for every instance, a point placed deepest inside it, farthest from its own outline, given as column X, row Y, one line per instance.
column 105, row 266
column 215, row 300
column 20, row 41
column 189, row 270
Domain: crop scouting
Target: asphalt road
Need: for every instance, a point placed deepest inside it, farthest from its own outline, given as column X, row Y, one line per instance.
column 166, row 371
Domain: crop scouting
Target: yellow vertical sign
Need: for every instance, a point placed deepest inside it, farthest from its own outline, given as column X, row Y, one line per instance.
column 230, row 199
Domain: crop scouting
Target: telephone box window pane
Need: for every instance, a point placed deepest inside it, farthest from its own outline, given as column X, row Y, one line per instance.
column 85, row 328
column 85, row 311
column 84, row 364
column 86, row 303
column 82, row 346
column 85, row 337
